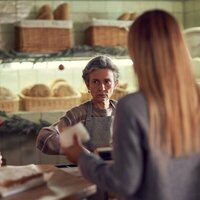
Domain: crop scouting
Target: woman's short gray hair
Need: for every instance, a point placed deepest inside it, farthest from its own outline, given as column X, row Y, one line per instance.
column 100, row 62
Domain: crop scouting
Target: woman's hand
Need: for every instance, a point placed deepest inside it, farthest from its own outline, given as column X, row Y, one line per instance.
column 73, row 152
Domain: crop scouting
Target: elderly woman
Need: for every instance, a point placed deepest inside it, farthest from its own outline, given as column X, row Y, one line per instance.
column 101, row 77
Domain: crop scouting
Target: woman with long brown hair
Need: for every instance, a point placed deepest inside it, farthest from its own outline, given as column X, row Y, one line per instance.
column 156, row 145
column 162, row 64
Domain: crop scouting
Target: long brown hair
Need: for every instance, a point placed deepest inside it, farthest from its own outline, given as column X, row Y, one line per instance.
column 162, row 63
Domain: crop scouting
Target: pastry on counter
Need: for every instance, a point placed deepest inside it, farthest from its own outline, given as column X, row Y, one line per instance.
column 14, row 179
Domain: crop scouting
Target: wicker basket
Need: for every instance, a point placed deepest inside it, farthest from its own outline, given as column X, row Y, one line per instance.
column 9, row 105
column 43, row 36
column 107, row 33
column 85, row 96
column 49, row 103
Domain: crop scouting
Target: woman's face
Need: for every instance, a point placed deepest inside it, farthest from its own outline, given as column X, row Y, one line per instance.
column 101, row 84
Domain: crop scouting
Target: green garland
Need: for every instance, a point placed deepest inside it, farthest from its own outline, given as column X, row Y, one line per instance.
column 15, row 124
column 77, row 51
column 16, row 131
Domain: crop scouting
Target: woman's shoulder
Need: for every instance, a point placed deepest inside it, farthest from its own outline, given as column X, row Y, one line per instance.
column 135, row 102
column 134, row 97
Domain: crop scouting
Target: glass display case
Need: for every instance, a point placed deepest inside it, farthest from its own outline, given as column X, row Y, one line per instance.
column 18, row 147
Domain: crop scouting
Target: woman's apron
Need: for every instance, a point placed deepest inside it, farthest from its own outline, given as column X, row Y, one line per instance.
column 99, row 129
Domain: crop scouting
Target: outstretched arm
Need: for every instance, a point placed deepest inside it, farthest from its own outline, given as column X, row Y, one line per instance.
column 48, row 140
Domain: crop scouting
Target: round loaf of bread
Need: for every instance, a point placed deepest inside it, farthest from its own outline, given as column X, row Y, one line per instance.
column 6, row 94
column 39, row 90
column 133, row 16
column 124, row 16
column 62, row 12
column 46, row 15
column 62, row 89
column 45, row 12
column 26, row 90
column 58, row 80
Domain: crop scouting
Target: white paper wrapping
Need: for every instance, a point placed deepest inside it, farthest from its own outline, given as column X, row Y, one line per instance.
column 68, row 24
column 66, row 137
column 112, row 23
column 17, row 173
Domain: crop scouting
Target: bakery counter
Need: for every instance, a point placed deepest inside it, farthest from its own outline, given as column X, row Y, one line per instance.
column 57, row 184
column 17, row 141
column 21, row 150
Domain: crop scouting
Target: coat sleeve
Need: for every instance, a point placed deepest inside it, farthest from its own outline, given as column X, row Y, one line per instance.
column 124, row 175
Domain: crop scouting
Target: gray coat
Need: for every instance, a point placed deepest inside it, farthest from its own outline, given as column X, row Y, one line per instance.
column 139, row 172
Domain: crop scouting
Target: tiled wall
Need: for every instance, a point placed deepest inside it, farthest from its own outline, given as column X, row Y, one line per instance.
column 192, row 13
column 19, row 75
column 81, row 12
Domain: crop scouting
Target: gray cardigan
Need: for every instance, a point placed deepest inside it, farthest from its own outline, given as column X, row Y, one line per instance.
column 138, row 171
